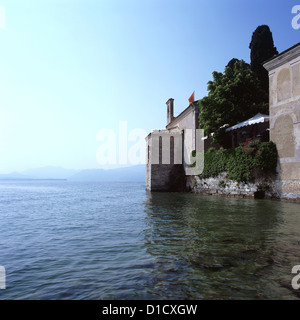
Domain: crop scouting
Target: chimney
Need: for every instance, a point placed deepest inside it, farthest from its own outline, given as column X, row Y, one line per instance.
column 170, row 110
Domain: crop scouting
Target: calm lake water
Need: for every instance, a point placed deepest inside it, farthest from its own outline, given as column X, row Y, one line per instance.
column 74, row 240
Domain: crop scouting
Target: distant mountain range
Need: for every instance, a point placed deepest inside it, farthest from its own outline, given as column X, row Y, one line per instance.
column 49, row 173
column 134, row 173
column 13, row 176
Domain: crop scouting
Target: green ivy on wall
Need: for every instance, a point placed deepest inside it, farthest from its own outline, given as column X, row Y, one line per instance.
column 241, row 163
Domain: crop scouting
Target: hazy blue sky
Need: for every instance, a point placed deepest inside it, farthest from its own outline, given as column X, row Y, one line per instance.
column 71, row 68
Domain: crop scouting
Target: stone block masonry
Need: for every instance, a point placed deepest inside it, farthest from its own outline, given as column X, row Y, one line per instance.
column 264, row 188
column 284, row 85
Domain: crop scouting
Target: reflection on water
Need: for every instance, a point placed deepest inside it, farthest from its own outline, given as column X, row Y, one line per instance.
column 221, row 248
column 67, row 240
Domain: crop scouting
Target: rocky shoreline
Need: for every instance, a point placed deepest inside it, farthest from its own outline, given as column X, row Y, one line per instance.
column 264, row 188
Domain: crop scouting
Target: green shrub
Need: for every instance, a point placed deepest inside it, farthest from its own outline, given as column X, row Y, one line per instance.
column 266, row 157
column 216, row 160
column 222, row 184
column 242, row 162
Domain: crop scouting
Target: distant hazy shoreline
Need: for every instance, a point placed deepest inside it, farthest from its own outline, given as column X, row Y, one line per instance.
column 133, row 173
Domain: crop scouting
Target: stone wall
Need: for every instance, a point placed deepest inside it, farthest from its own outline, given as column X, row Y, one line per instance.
column 266, row 187
column 187, row 123
column 167, row 178
column 222, row 186
column 284, row 83
column 164, row 168
column 169, row 150
column 159, row 177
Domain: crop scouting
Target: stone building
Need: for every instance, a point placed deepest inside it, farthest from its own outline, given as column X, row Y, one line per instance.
column 284, row 83
column 169, row 150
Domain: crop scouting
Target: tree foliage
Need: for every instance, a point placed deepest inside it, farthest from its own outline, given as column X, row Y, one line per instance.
column 262, row 48
column 233, row 96
column 243, row 163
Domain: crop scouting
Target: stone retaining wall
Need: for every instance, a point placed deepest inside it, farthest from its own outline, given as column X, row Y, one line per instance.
column 266, row 187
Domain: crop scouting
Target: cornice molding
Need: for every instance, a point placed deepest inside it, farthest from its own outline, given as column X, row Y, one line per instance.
column 283, row 58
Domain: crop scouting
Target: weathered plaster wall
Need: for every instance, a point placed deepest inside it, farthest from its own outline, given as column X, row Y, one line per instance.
column 187, row 123
column 284, row 76
column 164, row 160
column 160, row 174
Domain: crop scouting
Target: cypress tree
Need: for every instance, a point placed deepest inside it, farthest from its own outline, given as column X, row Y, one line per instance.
column 262, row 48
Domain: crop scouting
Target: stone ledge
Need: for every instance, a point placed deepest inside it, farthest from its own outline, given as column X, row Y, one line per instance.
column 222, row 186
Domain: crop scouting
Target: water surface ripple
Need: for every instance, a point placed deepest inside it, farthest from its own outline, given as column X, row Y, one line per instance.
column 75, row 240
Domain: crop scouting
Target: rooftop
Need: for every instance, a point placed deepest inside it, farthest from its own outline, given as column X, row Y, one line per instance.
column 283, row 57
column 186, row 110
